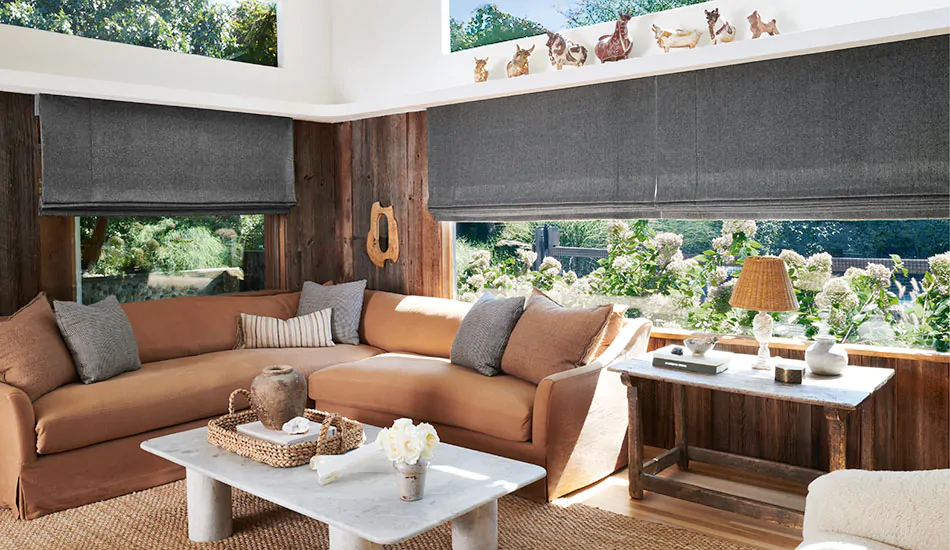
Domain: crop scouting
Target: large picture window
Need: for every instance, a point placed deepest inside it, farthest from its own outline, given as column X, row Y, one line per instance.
column 476, row 23
column 239, row 30
column 143, row 258
column 873, row 282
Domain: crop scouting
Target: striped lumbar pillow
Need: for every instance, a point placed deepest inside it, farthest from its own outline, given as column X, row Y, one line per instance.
column 308, row 331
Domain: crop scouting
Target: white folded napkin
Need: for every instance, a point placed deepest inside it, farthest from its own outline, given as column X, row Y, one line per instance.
column 366, row 459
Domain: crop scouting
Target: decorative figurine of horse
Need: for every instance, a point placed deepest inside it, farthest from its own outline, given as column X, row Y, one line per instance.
column 616, row 46
column 481, row 73
column 759, row 27
column 679, row 38
column 564, row 52
column 518, row 65
column 720, row 31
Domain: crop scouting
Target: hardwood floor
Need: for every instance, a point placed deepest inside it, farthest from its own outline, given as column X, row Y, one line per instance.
column 611, row 494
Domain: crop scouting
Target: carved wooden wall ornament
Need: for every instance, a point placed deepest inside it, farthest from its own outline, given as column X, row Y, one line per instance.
column 376, row 254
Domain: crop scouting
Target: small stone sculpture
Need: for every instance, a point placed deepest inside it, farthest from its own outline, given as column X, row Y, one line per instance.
column 564, row 52
column 518, row 65
column 481, row 73
column 720, row 31
column 759, row 27
column 616, row 46
column 679, row 38
column 296, row 425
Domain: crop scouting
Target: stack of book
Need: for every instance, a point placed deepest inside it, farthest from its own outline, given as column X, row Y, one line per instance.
column 712, row 362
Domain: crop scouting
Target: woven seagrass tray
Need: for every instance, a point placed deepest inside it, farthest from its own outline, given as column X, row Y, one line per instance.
column 222, row 432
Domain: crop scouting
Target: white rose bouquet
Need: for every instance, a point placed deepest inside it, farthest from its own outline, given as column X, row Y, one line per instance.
column 406, row 443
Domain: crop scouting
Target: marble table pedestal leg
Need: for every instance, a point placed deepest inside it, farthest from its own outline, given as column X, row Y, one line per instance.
column 477, row 530
column 209, row 508
column 345, row 540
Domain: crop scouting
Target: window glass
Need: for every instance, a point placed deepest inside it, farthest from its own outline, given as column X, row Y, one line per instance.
column 240, row 30
column 884, row 282
column 475, row 23
column 143, row 258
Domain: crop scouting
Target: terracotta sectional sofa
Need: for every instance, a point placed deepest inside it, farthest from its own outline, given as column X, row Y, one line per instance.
column 80, row 443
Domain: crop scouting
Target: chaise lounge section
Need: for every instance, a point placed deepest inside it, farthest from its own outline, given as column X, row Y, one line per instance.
column 80, row 443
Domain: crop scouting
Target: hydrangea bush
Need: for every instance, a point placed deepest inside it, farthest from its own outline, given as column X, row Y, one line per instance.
column 648, row 272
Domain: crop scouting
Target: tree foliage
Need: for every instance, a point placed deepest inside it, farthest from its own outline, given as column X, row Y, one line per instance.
column 490, row 25
column 591, row 12
column 244, row 32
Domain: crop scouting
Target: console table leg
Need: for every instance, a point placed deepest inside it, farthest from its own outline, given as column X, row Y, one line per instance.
column 345, row 540
column 867, row 434
column 634, row 439
column 209, row 508
column 679, row 425
column 837, row 439
column 477, row 530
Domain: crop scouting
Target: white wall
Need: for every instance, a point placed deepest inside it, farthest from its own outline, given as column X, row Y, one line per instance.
column 375, row 56
column 31, row 60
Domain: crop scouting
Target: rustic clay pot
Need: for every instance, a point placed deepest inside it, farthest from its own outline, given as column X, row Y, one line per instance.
column 278, row 395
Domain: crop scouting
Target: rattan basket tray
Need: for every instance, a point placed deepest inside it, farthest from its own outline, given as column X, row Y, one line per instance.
column 222, row 432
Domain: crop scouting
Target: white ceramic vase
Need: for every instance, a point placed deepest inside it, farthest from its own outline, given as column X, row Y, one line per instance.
column 826, row 357
column 411, row 479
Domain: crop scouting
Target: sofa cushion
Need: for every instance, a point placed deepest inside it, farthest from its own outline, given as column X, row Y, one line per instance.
column 549, row 338
column 307, row 331
column 429, row 389
column 180, row 327
column 165, row 393
column 411, row 324
column 99, row 337
column 346, row 302
column 33, row 356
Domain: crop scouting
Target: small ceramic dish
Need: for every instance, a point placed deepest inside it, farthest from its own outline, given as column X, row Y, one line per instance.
column 699, row 344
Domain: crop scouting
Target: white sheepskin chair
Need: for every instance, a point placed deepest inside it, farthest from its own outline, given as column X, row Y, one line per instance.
column 864, row 510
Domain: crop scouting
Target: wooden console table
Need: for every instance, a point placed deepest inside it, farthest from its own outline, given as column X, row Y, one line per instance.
column 836, row 394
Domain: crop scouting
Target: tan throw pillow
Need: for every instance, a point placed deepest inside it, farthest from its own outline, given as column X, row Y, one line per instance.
column 612, row 331
column 549, row 338
column 33, row 356
column 309, row 331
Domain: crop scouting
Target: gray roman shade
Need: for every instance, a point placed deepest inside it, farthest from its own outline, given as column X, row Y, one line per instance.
column 861, row 133
column 121, row 159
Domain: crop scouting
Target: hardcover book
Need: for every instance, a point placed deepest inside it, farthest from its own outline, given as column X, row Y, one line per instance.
column 713, row 362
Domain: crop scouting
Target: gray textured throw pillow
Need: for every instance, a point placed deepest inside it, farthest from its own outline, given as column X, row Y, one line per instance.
column 99, row 337
column 346, row 301
column 481, row 339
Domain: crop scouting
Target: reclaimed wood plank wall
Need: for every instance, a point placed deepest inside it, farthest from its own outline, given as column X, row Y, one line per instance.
column 341, row 169
column 912, row 415
column 35, row 253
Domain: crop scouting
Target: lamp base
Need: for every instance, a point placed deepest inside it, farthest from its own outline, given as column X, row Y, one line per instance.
column 762, row 328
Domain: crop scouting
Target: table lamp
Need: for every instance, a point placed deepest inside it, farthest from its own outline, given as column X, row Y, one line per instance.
column 764, row 286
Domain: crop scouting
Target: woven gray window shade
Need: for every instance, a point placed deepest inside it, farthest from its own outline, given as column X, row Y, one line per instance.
column 862, row 133
column 123, row 159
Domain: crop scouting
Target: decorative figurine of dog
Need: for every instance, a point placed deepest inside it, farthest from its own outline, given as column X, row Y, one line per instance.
column 564, row 52
column 679, row 38
column 616, row 46
column 759, row 27
column 518, row 66
column 720, row 31
column 481, row 73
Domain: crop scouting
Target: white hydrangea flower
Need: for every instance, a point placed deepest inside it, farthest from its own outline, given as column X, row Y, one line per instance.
column 570, row 277
column 617, row 230
column 623, row 263
column 527, row 257
column 550, row 267
column 477, row 281
column 468, row 297
column 880, row 274
column 731, row 227
column 820, row 261
column 667, row 245
column 481, row 259
column 815, row 273
column 837, row 294
column 792, row 258
column 717, row 276
column 503, row 281
column 940, row 269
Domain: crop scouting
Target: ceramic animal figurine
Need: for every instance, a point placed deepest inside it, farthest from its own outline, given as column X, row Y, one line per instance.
column 564, row 52
column 481, row 73
column 518, row 65
column 720, row 31
column 759, row 27
column 616, row 46
column 679, row 38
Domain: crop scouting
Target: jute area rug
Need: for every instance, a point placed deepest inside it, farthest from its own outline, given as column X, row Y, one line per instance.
column 156, row 519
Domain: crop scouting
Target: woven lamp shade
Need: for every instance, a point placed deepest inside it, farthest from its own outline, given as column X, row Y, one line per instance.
column 764, row 285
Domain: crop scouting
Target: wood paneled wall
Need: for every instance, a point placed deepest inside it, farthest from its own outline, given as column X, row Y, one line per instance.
column 35, row 253
column 341, row 169
column 912, row 414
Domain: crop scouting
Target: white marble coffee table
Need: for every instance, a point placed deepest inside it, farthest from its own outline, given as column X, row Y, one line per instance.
column 363, row 511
